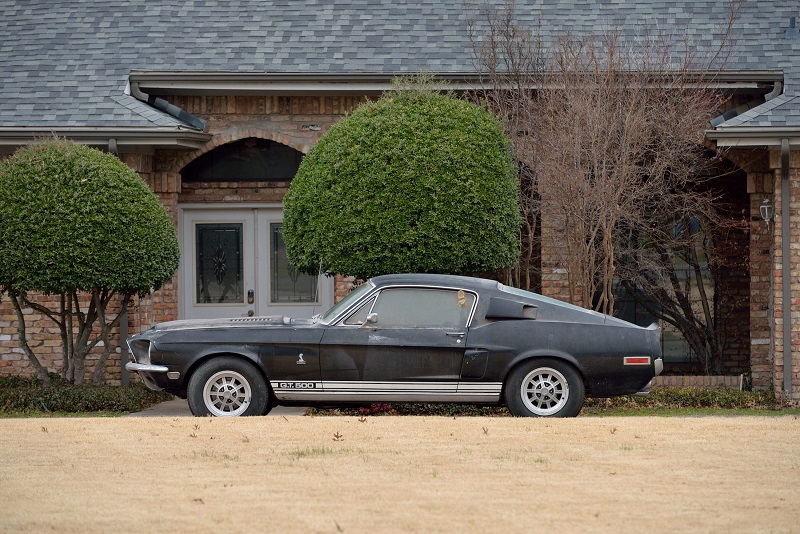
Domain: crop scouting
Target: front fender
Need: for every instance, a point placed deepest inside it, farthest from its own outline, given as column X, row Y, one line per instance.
column 189, row 358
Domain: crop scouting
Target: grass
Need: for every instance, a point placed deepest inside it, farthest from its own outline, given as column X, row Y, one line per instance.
column 316, row 452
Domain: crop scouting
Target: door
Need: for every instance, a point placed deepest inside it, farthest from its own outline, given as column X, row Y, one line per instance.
column 406, row 344
column 233, row 264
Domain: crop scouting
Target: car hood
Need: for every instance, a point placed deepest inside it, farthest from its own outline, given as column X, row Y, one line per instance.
column 266, row 321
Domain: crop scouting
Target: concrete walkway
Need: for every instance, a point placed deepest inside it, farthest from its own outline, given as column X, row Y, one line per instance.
column 180, row 408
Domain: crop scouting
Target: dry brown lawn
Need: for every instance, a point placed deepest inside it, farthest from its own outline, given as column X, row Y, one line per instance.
column 400, row 474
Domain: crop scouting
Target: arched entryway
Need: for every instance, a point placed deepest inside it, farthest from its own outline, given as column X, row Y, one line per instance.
column 230, row 221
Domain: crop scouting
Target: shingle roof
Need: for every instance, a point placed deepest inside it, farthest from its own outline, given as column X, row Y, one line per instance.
column 781, row 112
column 66, row 62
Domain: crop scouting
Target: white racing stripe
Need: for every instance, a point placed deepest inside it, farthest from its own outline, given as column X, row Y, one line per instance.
column 399, row 391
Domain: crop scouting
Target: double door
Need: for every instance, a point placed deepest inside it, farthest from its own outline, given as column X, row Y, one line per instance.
column 233, row 264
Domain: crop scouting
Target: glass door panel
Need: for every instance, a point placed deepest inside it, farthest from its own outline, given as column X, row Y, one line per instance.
column 288, row 285
column 219, row 263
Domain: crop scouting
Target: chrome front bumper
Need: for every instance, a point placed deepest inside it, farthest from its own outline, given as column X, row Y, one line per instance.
column 146, row 368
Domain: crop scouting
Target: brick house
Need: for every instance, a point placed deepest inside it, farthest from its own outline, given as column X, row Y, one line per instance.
column 214, row 103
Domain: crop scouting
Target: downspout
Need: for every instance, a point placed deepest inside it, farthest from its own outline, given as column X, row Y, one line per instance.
column 169, row 109
column 786, row 280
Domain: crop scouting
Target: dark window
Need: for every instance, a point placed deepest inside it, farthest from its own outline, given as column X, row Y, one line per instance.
column 248, row 160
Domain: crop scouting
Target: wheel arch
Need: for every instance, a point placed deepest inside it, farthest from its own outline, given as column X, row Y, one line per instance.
column 244, row 355
column 525, row 357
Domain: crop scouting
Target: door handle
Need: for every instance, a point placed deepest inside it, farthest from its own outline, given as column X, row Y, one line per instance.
column 455, row 334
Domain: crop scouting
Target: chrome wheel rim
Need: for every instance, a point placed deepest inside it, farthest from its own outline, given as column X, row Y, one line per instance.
column 227, row 393
column 544, row 391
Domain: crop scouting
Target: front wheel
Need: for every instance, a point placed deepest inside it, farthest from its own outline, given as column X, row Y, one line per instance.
column 227, row 387
column 544, row 388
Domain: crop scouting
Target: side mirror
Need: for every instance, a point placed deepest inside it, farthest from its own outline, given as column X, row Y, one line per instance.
column 372, row 318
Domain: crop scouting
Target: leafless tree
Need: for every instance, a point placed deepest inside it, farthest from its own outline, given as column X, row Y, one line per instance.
column 611, row 126
column 511, row 62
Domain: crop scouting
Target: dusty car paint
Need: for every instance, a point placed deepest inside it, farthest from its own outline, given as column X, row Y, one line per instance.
column 495, row 330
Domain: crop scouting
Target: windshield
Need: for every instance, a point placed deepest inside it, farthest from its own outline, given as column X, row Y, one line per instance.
column 343, row 304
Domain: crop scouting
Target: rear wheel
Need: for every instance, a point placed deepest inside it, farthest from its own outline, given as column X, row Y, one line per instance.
column 228, row 387
column 544, row 388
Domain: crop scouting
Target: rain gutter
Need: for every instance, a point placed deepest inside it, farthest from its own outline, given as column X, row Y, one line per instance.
column 163, row 137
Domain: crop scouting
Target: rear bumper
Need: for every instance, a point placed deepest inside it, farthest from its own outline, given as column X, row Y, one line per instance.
column 659, row 366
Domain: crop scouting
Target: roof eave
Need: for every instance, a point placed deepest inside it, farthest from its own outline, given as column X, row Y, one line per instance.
column 156, row 137
column 362, row 83
column 755, row 136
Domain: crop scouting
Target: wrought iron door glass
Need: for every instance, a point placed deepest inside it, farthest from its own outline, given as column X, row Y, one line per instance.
column 219, row 265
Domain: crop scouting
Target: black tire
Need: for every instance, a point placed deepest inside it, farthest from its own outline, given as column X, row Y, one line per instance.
column 544, row 388
column 228, row 387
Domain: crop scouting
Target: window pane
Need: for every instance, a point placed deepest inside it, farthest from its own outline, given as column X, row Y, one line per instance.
column 288, row 284
column 247, row 160
column 432, row 308
column 218, row 275
column 360, row 316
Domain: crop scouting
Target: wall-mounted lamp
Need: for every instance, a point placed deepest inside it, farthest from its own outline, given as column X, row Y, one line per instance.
column 767, row 211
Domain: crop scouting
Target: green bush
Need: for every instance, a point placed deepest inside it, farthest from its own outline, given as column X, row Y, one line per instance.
column 25, row 395
column 79, row 224
column 415, row 182
column 74, row 218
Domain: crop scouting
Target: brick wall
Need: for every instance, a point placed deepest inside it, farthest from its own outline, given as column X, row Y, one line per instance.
column 714, row 382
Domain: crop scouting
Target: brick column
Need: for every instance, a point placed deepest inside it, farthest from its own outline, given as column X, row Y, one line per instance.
column 792, row 207
column 760, row 186
column 555, row 273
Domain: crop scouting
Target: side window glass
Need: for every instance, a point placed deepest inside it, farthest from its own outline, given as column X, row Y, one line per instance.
column 360, row 315
column 426, row 308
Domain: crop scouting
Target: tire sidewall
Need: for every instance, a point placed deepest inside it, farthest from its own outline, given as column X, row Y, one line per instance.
column 514, row 384
column 258, row 386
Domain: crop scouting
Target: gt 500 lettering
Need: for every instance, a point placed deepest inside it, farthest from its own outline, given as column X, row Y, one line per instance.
column 297, row 385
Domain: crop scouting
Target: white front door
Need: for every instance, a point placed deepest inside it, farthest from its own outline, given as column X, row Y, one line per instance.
column 233, row 264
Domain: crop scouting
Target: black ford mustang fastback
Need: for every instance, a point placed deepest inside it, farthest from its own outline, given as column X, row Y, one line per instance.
column 404, row 338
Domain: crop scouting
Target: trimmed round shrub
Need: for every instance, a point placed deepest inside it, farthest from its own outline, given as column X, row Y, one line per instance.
column 415, row 182
column 74, row 218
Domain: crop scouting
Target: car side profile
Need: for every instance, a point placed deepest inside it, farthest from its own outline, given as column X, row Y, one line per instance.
column 404, row 338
